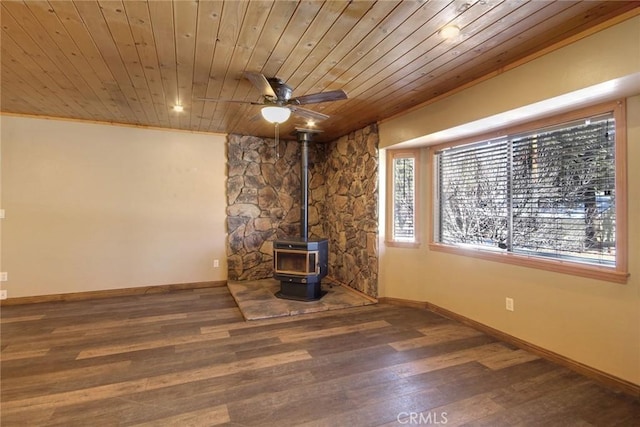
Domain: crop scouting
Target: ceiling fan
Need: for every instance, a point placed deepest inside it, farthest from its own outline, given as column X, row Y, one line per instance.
column 276, row 97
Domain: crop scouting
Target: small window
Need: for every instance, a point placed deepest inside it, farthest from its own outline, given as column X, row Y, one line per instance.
column 551, row 195
column 402, row 172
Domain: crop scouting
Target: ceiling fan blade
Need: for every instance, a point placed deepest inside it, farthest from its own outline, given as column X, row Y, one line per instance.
column 308, row 114
column 314, row 98
column 261, row 83
column 235, row 101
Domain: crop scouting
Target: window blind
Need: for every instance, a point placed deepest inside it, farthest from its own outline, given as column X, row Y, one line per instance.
column 474, row 194
column 403, row 199
column 548, row 193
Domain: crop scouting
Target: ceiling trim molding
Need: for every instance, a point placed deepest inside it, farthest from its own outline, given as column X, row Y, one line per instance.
column 105, row 123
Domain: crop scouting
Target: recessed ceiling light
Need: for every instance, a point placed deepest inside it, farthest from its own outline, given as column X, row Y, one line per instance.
column 449, row 32
column 178, row 108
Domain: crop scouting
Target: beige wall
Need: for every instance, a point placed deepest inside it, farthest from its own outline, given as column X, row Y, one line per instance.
column 94, row 207
column 593, row 322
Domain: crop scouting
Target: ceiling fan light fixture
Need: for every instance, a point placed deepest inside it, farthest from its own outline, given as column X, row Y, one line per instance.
column 450, row 31
column 276, row 114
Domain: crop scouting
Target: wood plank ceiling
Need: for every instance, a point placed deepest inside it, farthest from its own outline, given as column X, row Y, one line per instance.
column 131, row 61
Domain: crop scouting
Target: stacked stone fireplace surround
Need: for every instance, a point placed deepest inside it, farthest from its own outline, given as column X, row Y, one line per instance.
column 263, row 204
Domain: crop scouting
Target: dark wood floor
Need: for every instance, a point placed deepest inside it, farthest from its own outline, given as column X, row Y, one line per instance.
column 188, row 358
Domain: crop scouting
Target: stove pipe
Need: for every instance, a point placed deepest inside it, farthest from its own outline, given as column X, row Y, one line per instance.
column 303, row 138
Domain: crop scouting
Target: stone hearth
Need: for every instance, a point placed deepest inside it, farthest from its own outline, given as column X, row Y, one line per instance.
column 256, row 299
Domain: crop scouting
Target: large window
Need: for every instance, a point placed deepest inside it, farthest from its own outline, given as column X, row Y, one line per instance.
column 549, row 194
column 402, row 169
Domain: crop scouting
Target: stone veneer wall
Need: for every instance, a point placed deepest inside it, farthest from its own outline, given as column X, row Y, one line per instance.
column 350, row 193
column 263, row 204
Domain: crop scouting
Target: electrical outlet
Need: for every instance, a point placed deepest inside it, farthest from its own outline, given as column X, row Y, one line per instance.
column 3, row 294
column 509, row 304
column 4, row 276
column 1, row 213
column 216, row 263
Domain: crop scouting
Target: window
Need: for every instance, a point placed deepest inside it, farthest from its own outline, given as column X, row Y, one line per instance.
column 552, row 195
column 402, row 172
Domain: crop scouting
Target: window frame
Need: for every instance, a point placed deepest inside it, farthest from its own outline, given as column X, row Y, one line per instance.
column 619, row 272
column 390, row 240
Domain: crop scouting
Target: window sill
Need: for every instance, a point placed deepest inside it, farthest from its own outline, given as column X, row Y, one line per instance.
column 396, row 244
column 592, row 272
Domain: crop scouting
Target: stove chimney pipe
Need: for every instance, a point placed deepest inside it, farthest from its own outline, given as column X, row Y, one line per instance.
column 304, row 136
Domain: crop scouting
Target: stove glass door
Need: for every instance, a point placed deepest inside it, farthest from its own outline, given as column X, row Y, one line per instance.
column 296, row 262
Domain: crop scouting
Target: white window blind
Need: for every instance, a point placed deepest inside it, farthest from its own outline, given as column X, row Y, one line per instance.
column 403, row 199
column 547, row 193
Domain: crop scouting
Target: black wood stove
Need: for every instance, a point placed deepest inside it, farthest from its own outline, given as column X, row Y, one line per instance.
column 300, row 263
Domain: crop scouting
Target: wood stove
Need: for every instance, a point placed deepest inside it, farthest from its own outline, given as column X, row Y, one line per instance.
column 300, row 263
